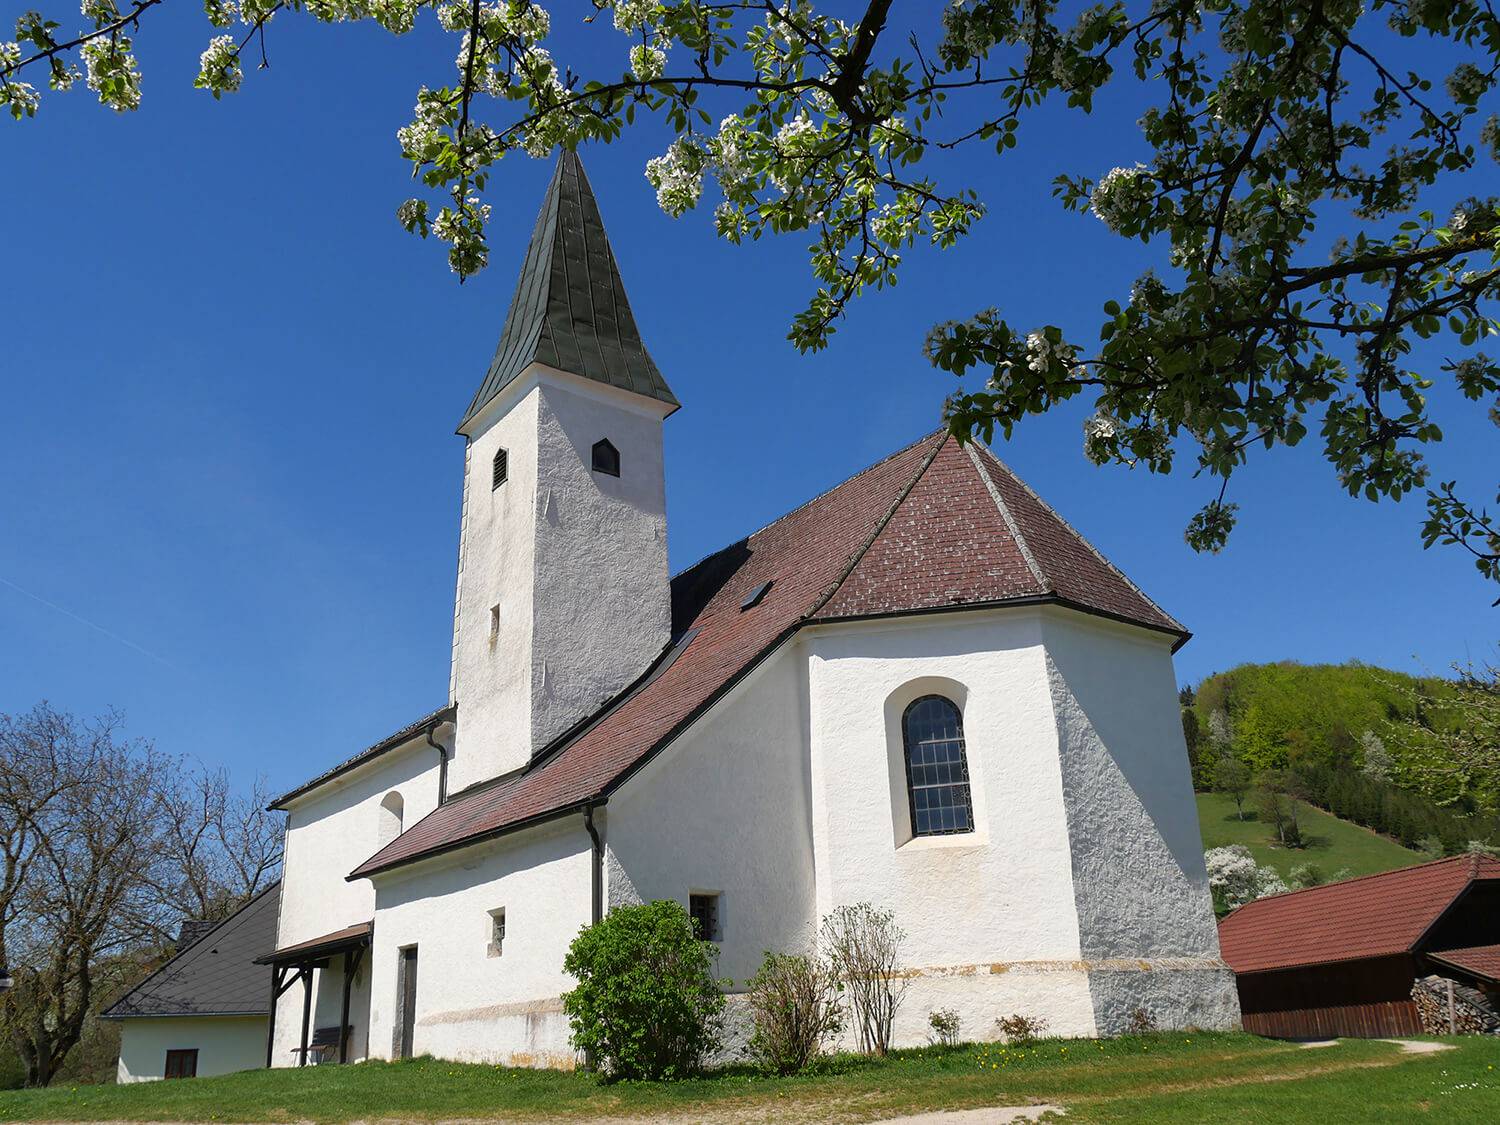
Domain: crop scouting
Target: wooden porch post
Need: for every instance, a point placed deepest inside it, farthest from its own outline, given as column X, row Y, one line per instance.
column 276, row 975
column 306, row 1010
column 344, row 1011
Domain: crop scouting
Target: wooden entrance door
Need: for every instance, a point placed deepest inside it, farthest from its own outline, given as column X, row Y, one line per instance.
column 408, row 985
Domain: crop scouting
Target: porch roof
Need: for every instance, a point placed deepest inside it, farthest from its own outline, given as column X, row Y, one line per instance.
column 350, row 937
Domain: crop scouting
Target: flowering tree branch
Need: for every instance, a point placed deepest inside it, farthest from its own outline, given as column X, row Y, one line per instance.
column 1270, row 120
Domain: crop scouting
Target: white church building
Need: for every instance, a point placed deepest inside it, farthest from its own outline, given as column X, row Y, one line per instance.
column 922, row 689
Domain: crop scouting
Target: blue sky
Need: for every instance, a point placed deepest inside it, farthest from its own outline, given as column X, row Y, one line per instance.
column 230, row 480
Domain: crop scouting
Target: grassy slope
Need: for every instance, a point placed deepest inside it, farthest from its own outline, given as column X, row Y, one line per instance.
column 1333, row 843
column 1161, row 1078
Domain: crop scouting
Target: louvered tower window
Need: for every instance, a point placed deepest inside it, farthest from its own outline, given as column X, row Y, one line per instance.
column 606, row 458
column 499, row 469
column 937, row 769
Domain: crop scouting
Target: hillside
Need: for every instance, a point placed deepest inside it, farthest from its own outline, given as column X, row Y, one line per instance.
column 1333, row 844
column 1301, row 716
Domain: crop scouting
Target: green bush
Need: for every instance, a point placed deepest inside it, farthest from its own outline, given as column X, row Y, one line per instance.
column 795, row 1001
column 647, row 1004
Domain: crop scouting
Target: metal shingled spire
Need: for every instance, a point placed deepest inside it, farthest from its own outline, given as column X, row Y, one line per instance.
column 569, row 310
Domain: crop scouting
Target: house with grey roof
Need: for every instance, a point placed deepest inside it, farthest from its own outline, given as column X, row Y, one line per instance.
column 204, row 1011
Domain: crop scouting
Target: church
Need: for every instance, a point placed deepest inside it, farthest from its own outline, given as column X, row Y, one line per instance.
column 922, row 689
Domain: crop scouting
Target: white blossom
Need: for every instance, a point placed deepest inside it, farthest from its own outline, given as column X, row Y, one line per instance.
column 631, row 14
column 647, row 63
column 1042, row 352
column 729, row 151
column 412, row 215
column 1467, row 84
column 1235, row 877
column 1458, row 220
column 220, row 13
column 677, row 176
column 396, row 16
column 1378, row 762
column 112, row 72
column 100, row 11
column 798, row 137
column 1098, row 436
column 21, row 98
column 10, row 53
column 219, row 66
column 1118, row 193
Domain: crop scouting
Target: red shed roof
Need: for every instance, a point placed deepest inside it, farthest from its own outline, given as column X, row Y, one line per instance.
column 933, row 526
column 1481, row 960
column 1373, row 916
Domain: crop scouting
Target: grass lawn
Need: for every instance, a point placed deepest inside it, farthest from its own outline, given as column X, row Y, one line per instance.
column 1157, row 1078
column 1332, row 843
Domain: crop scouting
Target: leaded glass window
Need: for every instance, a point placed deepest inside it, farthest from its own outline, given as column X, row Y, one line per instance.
column 937, row 771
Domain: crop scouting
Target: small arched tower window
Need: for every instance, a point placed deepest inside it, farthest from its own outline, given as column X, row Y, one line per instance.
column 392, row 809
column 937, row 769
column 499, row 469
column 606, row 458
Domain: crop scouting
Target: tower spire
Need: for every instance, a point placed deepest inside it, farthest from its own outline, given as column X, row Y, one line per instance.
column 570, row 310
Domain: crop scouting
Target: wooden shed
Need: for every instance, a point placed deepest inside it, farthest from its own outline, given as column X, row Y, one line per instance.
column 1341, row 959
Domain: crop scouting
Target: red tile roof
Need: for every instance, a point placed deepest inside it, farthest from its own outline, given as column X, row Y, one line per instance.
column 1481, row 960
column 1373, row 916
column 933, row 526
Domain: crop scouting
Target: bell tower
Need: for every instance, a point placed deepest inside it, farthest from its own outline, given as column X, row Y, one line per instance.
column 563, row 592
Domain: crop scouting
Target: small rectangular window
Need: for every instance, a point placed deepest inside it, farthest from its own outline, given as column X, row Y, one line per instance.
column 182, row 1064
column 494, row 623
column 499, row 469
column 497, row 932
column 704, row 908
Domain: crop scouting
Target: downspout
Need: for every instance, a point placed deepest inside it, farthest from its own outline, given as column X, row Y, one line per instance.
column 442, row 761
column 598, row 865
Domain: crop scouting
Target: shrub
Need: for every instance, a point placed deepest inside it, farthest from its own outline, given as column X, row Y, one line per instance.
column 795, row 1001
column 1142, row 1022
column 863, row 946
column 647, row 1004
column 1306, row 875
column 1021, row 1029
column 945, row 1025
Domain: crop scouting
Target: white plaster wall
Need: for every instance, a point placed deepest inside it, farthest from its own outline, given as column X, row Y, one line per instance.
column 1080, row 895
column 1003, row 893
column 727, row 808
column 329, row 833
column 472, row 1006
column 602, row 606
column 1140, row 887
column 492, row 678
column 224, row 1044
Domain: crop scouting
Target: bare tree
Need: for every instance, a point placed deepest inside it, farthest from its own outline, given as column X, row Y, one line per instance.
column 106, row 846
column 80, row 800
column 863, row 945
column 220, row 847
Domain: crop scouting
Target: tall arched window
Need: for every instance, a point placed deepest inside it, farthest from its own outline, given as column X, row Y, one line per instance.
column 392, row 809
column 937, row 771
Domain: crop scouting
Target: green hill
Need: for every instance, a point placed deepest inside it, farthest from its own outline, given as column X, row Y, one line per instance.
column 1333, row 844
column 1326, row 716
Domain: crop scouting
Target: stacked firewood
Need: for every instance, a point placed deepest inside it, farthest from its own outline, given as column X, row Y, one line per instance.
column 1470, row 1013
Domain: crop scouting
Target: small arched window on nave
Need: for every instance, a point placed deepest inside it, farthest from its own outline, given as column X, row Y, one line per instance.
column 937, row 767
column 392, row 809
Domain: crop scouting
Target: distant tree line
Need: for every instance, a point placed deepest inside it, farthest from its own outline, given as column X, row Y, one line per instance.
column 107, row 846
column 1414, row 758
